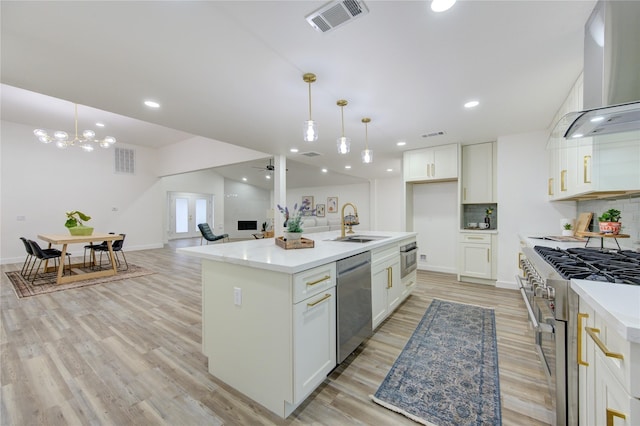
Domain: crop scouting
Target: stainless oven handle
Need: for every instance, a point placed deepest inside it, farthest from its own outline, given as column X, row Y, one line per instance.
column 542, row 328
column 532, row 317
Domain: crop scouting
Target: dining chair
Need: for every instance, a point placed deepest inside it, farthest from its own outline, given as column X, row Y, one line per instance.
column 92, row 247
column 116, row 246
column 208, row 234
column 29, row 258
column 45, row 254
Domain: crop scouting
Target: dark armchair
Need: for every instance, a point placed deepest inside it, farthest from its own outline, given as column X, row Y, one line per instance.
column 208, row 235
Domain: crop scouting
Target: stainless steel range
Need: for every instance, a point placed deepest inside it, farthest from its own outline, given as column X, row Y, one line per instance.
column 552, row 307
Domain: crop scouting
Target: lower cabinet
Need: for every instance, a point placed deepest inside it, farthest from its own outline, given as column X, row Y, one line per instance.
column 387, row 288
column 477, row 260
column 608, row 386
column 270, row 335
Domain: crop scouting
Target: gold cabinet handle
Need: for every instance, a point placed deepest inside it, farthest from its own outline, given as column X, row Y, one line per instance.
column 581, row 316
column 488, row 255
column 592, row 332
column 586, row 176
column 475, row 238
column 389, row 276
column 520, row 254
column 409, row 284
column 563, row 180
column 464, row 194
column 326, row 277
column 551, row 186
column 611, row 413
column 326, row 296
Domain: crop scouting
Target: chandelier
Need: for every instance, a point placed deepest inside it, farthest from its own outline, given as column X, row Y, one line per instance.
column 367, row 154
column 344, row 143
column 86, row 142
column 310, row 130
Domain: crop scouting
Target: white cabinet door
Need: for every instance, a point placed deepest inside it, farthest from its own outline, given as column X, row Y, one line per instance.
column 394, row 284
column 586, row 366
column 477, row 173
column 476, row 260
column 408, row 284
column 437, row 163
column 613, row 405
column 386, row 285
column 379, row 304
column 314, row 351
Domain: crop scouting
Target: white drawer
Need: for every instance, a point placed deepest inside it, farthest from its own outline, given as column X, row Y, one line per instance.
column 313, row 281
column 622, row 357
column 475, row 238
column 381, row 254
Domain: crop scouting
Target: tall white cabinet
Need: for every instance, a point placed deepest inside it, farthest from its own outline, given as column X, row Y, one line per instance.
column 478, row 177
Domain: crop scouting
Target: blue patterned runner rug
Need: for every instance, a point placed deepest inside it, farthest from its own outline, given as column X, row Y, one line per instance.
column 447, row 374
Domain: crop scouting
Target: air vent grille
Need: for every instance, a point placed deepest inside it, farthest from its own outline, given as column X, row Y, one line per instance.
column 433, row 134
column 335, row 14
column 125, row 160
column 310, row 154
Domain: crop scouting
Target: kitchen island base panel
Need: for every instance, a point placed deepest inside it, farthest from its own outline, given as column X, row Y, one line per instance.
column 249, row 346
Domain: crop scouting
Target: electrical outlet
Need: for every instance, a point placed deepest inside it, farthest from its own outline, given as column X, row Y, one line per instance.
column 423, row 257
column 237, row 296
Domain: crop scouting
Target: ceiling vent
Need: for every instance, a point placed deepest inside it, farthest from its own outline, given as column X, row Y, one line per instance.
column 433, row 134
column 310, row 154
column 334, row 14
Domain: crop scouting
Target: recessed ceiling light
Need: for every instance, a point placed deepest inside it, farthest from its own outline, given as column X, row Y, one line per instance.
column 442, row 5
column 401, row 143
column 100, row 124
column 347, row 166
column 152, row 104
column 324, row 170
column 267, row 176
column 389, row 170
column 293, row 150
column 471, row 104
column 244, row 179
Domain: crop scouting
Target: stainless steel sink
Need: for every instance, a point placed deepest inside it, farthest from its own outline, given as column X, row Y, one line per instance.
column 360, row 238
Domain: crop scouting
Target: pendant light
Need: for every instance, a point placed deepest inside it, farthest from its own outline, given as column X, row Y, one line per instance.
column 86, row 142
column 367, row 154
column 310, row 130
column 344, row 143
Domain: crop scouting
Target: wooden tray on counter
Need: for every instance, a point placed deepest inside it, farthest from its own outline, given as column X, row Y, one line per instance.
column 294, row 244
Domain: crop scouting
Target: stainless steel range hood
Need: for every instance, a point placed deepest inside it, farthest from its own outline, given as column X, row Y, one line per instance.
column 611, row 72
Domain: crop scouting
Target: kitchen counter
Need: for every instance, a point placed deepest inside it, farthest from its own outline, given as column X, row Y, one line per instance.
column 265, row 254
column 618, row 304
column 532, row 239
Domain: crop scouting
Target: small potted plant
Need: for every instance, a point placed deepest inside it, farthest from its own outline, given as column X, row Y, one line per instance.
column 293, row 219
column 567, row 231
column 75, row 225
column 610, row 222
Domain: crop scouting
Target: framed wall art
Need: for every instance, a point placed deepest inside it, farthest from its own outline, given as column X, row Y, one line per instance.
column 332, row 204
column 320, row 210
column 309, row 200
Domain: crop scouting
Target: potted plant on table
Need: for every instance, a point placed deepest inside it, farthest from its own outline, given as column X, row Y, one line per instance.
column 293, row 219
column 567, row 231
column 609, row 222
column 75, row 225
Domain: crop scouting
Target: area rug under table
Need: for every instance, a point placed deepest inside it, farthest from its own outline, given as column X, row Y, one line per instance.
column 447, row 374
column 47, row 283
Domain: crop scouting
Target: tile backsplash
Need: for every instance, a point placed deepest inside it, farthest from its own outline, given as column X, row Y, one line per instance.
column 629, row 216
column 475, row 213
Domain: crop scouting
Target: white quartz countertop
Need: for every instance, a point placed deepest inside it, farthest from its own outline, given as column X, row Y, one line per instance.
column 532, row 239
column 618, row 304
column 265, row 254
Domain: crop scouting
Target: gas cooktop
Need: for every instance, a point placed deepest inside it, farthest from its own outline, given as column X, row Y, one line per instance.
column 616, row 266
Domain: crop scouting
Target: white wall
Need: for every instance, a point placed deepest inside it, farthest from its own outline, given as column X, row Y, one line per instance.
column 357, row 194
column 435, row 219
column 244, row 202
column 523, row 205
column 39, row 183
column 387, row 199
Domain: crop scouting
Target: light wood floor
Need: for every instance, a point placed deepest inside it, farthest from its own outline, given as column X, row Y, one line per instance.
column 128, row 352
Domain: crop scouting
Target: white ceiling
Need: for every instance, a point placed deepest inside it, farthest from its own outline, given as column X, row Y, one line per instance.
column 232, row 71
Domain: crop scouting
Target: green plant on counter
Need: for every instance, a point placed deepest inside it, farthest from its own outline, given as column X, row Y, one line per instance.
column 75, row 218
column 611, row 215
column 293, row 219
column 488, row 211
column 567, row 226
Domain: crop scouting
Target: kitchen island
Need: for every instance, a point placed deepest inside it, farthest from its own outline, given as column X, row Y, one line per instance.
column 269, row 314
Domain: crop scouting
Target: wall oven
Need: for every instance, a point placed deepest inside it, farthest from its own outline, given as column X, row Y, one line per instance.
column 408, row 258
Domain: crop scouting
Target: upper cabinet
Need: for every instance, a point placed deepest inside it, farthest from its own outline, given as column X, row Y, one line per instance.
column 478, row 174
column 438, row 163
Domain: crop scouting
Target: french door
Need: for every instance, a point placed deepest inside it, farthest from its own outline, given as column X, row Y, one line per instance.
column 186, row 211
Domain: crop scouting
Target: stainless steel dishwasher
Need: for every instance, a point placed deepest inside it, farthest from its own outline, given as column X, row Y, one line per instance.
column 353, row 287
